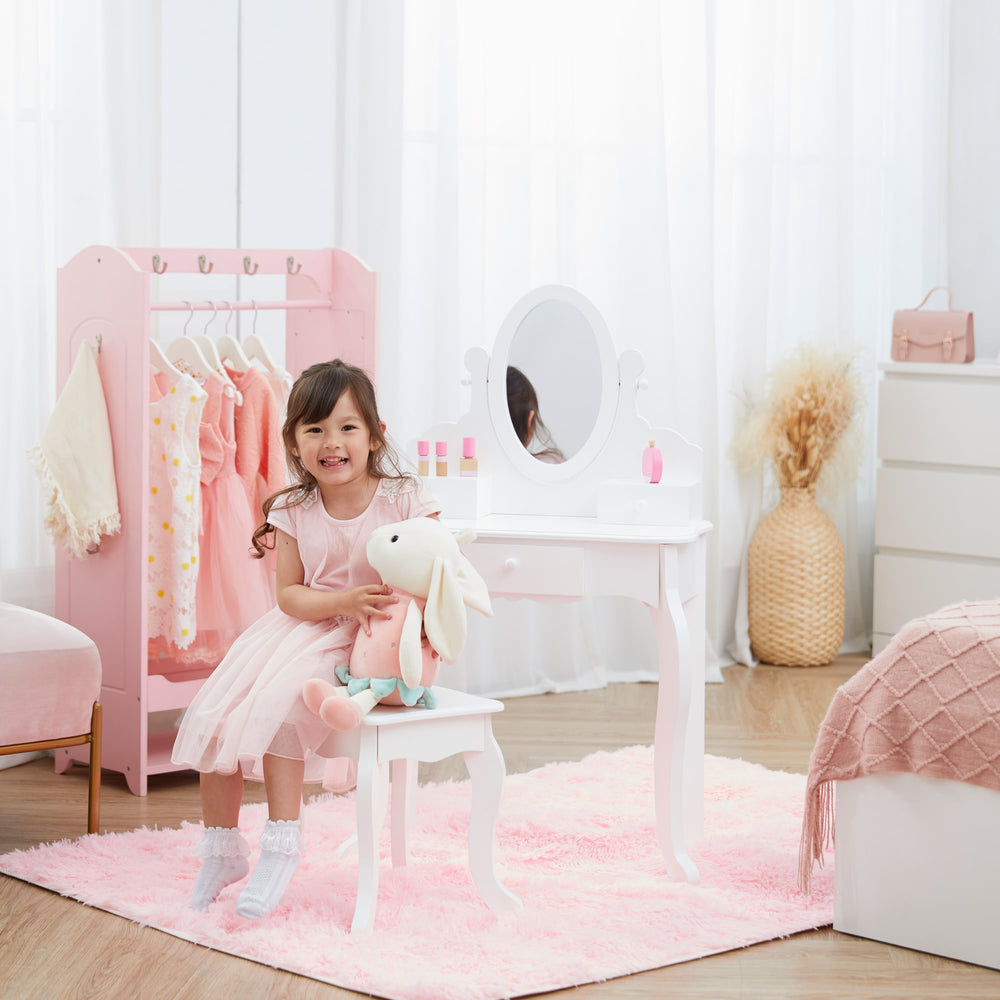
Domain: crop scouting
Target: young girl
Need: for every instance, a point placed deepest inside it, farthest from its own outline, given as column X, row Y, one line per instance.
column 249, row 718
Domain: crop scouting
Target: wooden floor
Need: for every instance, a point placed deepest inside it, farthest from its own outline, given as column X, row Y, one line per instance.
column 53, row 948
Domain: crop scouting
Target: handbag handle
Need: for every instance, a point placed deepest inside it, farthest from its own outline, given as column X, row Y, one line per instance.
column 937, row 288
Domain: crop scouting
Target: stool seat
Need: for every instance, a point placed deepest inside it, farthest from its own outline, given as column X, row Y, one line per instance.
column 401, row 737
column 50, row 679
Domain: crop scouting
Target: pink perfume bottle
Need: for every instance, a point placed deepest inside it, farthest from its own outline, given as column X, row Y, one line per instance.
column 652, row 463
column 441, row 453
column 469, row 465
column 423, row 458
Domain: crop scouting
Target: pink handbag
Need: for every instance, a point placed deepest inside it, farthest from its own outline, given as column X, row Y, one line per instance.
column 936, row 335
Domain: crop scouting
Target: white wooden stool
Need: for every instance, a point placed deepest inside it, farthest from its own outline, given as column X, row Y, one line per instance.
column 461, row 723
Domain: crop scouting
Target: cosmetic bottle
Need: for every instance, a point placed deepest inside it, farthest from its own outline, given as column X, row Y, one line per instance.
column 423, row 458
column 652, row 463
column 469, row 465
column 441, row 451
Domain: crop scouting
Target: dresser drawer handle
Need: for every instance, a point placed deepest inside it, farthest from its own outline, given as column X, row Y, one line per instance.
column 511, row 562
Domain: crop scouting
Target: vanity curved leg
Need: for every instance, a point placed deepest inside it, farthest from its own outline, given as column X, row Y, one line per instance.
column 676, row 662
column 487, row 771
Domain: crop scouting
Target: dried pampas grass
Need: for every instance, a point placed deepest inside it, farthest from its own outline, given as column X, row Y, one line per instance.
column 806, row 422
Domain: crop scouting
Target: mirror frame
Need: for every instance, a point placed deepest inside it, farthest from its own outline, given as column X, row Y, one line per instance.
column 496, row 389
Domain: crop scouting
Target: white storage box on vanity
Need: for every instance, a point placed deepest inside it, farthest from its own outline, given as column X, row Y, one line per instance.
column 937, row 520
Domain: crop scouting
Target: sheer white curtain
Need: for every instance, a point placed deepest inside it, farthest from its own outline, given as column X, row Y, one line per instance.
column 723, row 179
column 79, row 164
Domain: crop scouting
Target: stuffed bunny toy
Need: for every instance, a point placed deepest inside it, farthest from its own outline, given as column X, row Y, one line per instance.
column 421, row 560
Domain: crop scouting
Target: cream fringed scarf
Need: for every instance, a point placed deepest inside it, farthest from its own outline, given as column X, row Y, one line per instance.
column 75, row 462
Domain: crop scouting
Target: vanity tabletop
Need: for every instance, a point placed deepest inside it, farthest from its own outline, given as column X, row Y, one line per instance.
column 576, row 528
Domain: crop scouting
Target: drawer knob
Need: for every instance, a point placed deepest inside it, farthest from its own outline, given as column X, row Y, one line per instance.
column 511, row 562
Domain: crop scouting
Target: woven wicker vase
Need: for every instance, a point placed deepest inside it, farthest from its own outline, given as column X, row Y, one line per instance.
column 796, row 584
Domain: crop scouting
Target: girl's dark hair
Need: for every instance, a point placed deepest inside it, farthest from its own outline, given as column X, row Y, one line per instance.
column 521, row 401
column 312, row 399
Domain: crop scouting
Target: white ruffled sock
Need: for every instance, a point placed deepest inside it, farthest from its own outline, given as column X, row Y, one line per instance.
column 224, row 861
column 281, row 849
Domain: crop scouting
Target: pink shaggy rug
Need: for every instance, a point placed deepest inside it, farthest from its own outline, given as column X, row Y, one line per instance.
column 575, row 842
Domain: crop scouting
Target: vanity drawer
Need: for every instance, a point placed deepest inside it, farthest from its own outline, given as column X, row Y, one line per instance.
column 516, row 569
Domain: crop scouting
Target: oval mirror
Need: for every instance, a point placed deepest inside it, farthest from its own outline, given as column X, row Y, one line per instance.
column 553, row 383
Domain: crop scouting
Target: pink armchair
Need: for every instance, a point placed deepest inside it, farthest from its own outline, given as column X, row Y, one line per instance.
column 50, row 683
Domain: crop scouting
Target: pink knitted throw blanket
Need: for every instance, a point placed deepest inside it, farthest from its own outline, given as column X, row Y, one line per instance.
column 928, row 704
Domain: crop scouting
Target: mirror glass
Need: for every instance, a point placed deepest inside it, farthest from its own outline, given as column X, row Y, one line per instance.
column 555, row 349
column 558, row 340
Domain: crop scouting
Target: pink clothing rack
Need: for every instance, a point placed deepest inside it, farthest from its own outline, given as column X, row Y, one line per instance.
column 104, row 295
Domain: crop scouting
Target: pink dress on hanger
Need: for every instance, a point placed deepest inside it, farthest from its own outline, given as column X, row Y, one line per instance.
column 234, row 588
column 260, row 452
column 176, row 402
column 252, row 703
column 280, row 382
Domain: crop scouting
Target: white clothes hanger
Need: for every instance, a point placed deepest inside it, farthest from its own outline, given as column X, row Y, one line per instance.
column 186, row 356
column 253, row 346
column 159, row 360
column 207, row 346
column 230, row 350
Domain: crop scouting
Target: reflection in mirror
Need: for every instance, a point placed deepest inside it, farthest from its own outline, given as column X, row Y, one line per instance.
column 555, row 350
column 525, row 415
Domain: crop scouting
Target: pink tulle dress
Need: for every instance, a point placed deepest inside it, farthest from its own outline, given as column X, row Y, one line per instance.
column 252, row 703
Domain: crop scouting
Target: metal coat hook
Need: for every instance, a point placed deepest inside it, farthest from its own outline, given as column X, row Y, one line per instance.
column 190, row 316
column 202, row 260
column 293, row 268
column 157, row 268
column 246, row 266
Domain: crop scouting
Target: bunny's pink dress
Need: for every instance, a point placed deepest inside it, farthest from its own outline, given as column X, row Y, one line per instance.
column 252, row 703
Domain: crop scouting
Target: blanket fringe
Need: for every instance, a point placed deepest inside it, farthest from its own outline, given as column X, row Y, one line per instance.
column 60, row 521
column 817, row 831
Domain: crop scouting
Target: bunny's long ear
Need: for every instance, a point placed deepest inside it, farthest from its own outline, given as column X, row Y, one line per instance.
column 444, row 613
column 474, row 591
column 473, row 586
column 454, row 584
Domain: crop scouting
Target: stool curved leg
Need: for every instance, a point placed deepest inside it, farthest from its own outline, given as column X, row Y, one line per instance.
column 487, row 770
column 379, row 802
column 367, row 795
column 404, row 786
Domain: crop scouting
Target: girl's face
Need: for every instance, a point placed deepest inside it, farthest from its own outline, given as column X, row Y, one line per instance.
column 335, row 450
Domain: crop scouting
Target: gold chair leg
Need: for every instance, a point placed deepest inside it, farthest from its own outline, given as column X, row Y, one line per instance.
column 94, row 800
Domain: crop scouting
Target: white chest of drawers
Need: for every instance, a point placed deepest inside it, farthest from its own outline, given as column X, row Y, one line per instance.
column 937, row 517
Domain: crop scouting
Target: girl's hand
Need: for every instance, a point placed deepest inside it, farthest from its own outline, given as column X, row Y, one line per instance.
column 365, row 603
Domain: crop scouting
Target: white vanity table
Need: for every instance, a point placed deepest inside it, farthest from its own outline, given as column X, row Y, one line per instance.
column 579, row 529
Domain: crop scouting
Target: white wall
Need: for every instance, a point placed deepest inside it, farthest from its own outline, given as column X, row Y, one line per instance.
column 974, row 169
column 249, row 143
column 253, row 130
